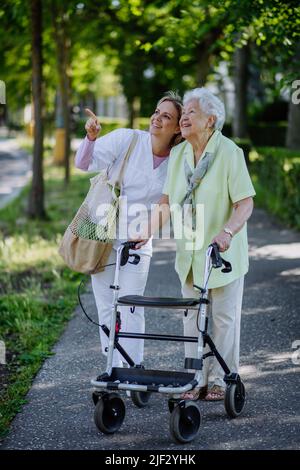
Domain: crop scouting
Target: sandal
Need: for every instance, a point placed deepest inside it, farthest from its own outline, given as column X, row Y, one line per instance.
column 215, row 393
column 195, row 394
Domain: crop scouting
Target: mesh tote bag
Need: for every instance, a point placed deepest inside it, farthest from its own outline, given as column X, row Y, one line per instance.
column 88, row 240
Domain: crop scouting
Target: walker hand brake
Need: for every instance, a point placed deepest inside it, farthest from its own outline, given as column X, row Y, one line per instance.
column 217, row 260
column 215, row 256
column 125, row 254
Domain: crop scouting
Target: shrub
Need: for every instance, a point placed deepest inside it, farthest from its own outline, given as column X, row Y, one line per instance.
column 276, row 175
column 262, row 133
column 271, row 134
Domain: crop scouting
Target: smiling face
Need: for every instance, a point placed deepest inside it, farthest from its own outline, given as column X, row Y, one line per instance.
column 164, row 121
column 194, row 121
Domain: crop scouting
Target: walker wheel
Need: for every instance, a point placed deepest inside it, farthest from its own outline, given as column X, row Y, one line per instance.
column 140, row 399
column 185, row 421
column 235, row 398
column 109, row 413
column 96, row 395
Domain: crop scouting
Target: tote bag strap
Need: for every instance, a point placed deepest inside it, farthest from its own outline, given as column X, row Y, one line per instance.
column 125, row 160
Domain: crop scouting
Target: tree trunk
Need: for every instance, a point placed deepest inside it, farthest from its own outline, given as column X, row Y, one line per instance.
column 134, row 106
column 204, row 54
column 63, row 67
column 203, row 66
column 36, row 196
column 130, row 114
column 293, row 134
column 239, row 124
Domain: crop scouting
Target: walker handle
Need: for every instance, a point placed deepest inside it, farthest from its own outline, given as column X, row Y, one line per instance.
column 130, row 245
column 218, row 261
column 125, row 254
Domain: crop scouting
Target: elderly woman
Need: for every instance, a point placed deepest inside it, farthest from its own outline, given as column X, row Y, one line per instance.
column 208, row 174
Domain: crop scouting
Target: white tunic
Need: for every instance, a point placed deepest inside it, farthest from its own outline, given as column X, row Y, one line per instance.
column 142, row 184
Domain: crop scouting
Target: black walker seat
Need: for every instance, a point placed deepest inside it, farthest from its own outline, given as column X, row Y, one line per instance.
column 167, row 302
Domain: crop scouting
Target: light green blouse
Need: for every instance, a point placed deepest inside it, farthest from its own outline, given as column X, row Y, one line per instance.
column 226, row 182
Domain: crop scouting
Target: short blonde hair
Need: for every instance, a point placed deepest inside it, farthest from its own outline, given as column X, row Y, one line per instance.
column 176, row 99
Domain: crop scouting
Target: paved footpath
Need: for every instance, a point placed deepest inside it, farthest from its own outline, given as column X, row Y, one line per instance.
column 16, row 167
column 59, row 412
column 15, row 170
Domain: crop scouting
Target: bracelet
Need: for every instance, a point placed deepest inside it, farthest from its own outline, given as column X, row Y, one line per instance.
column 227, row 230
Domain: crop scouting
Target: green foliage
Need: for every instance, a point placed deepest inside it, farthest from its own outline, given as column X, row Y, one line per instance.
column 276, row 30
column 269, row 112
column 93, row 74
column 267, row 133
column 15, row 43
column 153, row 46
column 276, row 176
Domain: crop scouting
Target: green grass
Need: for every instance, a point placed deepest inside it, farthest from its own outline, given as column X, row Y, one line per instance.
column 37, row 292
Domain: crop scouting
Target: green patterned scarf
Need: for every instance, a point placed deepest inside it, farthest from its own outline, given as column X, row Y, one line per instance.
column 193, row 179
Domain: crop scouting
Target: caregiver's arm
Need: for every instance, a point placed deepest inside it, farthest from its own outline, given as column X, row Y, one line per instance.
column 84, row 153
column 242, row 210
column 159, row 216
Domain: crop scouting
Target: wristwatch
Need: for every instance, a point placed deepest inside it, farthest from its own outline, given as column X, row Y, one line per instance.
column 227, row 230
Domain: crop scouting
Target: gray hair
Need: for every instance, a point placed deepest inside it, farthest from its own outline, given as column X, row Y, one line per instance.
column 209, row 103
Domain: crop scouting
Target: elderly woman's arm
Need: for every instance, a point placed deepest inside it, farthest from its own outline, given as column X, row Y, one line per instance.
column 159, row 216
column 242, row 210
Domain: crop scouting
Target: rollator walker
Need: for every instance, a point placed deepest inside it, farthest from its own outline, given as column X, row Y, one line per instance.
column 185, row 416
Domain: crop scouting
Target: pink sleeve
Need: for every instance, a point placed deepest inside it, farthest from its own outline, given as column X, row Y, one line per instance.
column 84, row 154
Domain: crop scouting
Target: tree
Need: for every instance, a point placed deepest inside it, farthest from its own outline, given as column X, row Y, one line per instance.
column 36, row 196
column 239, row 124
column 130, row 33
column 60, row 19
column 293, row 134
column 15, row 42
column 275, row 30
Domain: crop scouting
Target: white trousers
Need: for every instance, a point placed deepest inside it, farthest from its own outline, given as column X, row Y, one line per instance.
column 224, row 319
column 132, row 281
